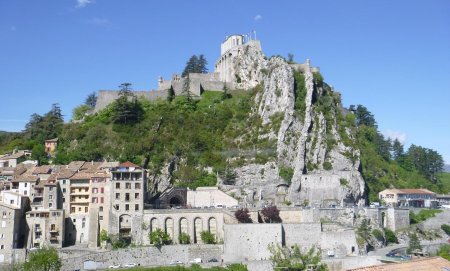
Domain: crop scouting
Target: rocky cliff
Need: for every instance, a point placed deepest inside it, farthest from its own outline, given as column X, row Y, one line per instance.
column 304, row 115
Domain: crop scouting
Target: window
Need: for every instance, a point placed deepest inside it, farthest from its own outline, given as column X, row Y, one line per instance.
column 100, row 217
column 85, row 209
column 63, row 200
column 64, row 182
column 25, row 192
column 26, row 184
column 128, row 185
column 79, row 209
column 50, row 197
column 11, row 201
column 52, row 227
column 83, row 224
column 127, row 196
column 117, row 195
column 117, row 207
column 102, row 190
column 118, row 185
column 100, row 209
column 72, row 210
column 136, row 207
column 50, row 188
column 94, row 200
column 95, row 190
column 137, row 186
column 101, row 200
column 136, row 195
column 127, row 207
column 64, row 190
column 2, row 247
column 50, row 205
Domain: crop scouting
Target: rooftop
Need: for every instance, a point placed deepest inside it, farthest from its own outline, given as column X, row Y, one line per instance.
column 409, row 191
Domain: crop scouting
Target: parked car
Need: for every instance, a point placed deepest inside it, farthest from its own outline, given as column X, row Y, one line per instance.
column 175, row 263
column 213, row 260
column 196, row 260
column 115, row 266
column 130, row 265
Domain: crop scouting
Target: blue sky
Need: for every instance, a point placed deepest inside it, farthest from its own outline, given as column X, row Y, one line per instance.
column 391, row 56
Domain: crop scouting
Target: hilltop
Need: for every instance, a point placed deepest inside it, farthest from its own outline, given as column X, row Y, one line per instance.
column 267, row 130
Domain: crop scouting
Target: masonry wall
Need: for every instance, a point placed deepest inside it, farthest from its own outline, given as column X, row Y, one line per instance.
column 145, row 256
column 250, row 241
column 305, row 234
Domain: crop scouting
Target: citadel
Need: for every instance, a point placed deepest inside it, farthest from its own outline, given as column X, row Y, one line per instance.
column 69, row 206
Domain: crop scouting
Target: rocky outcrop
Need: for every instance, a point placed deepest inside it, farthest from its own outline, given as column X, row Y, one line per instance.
column 325, row 171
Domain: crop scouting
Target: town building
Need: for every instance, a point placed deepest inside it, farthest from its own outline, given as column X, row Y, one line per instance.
column 50, row 145
column 408, row 197
column 128, row 184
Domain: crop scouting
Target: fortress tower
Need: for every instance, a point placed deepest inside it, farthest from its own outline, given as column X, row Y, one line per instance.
column 230, row 48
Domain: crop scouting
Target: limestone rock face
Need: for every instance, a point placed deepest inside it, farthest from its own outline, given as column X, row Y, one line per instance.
column 325, row 171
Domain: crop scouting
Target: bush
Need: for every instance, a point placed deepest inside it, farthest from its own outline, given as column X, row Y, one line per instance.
column 444, row 252
column 286, row 173
column 327, row 165
column 242, row 216
column 378, row 235
column 423, row 215
column 158, row 237
column 446, row 228
column 271, row 214
column 184, row 238
column 208, row 237
column 390, row 236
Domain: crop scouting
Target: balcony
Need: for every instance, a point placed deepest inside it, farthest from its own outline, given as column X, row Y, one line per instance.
column 36, row 203
column 55, row 230
column 78, row 192
column 38, row 195
column 53, row 238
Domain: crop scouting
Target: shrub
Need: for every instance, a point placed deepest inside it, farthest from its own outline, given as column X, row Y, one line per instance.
column 446, row 228
column 242, row 216
column 327, row 165
column 158, row 237
column 184, row 238
column 271, row 214
column 208, row 237
column 378, row 235
column 343, row 181
column 390, row 236
column 444, row 252
column 286, row 173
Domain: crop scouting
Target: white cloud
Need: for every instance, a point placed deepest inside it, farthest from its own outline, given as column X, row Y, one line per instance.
column 400, row 136
column 258, row 17
column 83, row 3
column 98, row 21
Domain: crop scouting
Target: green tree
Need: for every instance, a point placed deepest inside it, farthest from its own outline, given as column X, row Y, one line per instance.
column 390, row 236
column 446, row 228
column 44, row 259
column 292, row 258
column 126, row 108
column 414, row 243
column 91, row 100
column 79, row 112
column 363, row 116
column 208, row 237
column 397, row 150
column 364, row 231
column 195, row 64
column 159, row 238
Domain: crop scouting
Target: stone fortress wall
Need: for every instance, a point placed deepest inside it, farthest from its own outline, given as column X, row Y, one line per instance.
column 223, row 76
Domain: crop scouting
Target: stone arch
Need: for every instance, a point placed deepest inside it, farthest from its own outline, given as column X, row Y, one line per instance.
column 125, row 226
column 184, row 225
column 168, row 227
column 383, row 219
column 198, row 228
column 153, row 224
column 212, row 225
